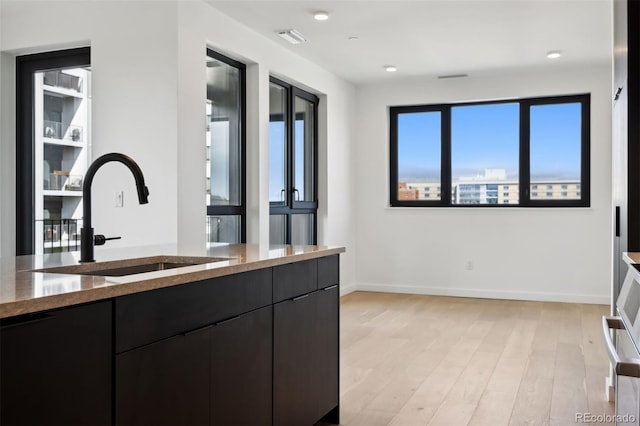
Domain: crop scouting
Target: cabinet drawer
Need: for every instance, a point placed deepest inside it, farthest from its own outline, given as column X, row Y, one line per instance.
column 294, row 279
column 328, row 271
column 147, row 317
column 56, row 367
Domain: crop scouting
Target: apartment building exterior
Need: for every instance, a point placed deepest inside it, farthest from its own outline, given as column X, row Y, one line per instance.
column 490, row 188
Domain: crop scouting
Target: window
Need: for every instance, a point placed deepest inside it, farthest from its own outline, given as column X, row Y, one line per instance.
column 293, row 164
column 471, row 149
column 53, row 101
column 225, row 144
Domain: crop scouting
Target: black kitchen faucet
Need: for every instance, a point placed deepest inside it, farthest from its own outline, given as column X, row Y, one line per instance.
column 87, row 239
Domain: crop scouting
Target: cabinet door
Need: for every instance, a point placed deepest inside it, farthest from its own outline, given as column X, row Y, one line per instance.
column 241, row 381
column 294, row 389
column 327, row 354
column 165, row 383
column 55, row 367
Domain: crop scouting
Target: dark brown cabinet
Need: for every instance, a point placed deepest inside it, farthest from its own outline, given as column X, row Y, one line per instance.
column 328, row 354
column 306, row 346
column 165, row 383
column 55, row 367
column 241, row 367
column 196, row 354
column 254, row 348
column 294, row 360
column 218, row 374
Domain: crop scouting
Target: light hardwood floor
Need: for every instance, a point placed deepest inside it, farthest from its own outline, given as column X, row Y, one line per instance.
column 428, row 360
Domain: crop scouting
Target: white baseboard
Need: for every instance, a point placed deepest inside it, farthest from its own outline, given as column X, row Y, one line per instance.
column 344, row 290
column 482, row 294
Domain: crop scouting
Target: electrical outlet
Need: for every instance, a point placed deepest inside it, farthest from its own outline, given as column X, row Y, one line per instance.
column 120, row 199
column 469, row 265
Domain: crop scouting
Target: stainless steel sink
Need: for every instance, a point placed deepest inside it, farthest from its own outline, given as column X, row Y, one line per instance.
column 121, row 268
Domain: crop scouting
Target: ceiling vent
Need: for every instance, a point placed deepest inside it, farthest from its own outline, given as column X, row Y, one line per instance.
column 453, row 76
column 292, row 36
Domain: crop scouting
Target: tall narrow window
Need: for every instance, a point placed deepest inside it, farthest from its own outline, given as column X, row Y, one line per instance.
column 556, row 144
column 225, row 143
column 292, row 164
column 52, row 149
column 419, row 155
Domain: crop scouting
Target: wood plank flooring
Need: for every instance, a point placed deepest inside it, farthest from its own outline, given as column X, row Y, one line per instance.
column 410, row 360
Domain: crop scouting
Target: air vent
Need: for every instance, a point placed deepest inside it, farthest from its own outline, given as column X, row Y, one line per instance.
column 453, row 76
column 292, row 36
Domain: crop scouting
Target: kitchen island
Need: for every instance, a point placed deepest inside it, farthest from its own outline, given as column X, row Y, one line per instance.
column 248, row 338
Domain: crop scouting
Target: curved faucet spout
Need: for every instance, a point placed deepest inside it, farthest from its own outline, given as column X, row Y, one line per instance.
column 87, row 239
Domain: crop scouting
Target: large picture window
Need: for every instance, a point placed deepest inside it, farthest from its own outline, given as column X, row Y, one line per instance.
column 225, row 143
column 527, row 152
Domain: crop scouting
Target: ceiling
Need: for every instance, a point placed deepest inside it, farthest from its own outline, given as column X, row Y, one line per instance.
column 433, row 37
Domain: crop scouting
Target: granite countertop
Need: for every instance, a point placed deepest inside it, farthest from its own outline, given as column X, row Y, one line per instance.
column 23, row 290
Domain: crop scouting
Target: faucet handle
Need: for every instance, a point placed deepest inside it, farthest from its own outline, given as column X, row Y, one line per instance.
column 100, row 239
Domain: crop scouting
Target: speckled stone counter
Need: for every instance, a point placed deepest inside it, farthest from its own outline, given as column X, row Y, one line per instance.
column 22, row 290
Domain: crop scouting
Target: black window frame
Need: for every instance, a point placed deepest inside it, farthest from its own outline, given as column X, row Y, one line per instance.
column 26, row 66
column 524, row 178
column 241, row 210
column 290, row 206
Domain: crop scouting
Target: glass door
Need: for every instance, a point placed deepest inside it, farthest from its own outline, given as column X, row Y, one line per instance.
column 292, row 164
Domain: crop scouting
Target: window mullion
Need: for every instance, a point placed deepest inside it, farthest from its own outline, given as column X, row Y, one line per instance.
column 290, row 126
column 393, row 156
column 585, row 153
column 524, row 175
column 445, row 179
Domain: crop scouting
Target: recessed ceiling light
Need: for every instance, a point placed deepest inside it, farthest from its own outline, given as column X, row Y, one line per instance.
column 321, row 16
column 292, row 36
column 390, row 68
column 554, row 54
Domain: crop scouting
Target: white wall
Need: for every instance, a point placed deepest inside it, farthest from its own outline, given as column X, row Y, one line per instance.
column 2, row 153
column 201, row 26
column 7, row 157
column 149, row 92
column 133, row 100
column 517, row 253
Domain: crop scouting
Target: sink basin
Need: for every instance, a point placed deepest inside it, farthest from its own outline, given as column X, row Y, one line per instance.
column 121, row 268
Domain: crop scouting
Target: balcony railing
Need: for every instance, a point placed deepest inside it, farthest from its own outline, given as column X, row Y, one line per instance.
column 60, row 235
column 58, row 130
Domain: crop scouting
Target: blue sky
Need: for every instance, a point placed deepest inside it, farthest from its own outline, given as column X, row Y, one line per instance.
column 486, row 137
column 277, row 139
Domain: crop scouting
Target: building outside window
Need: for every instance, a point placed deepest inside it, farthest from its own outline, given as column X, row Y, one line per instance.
column 225, row 147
